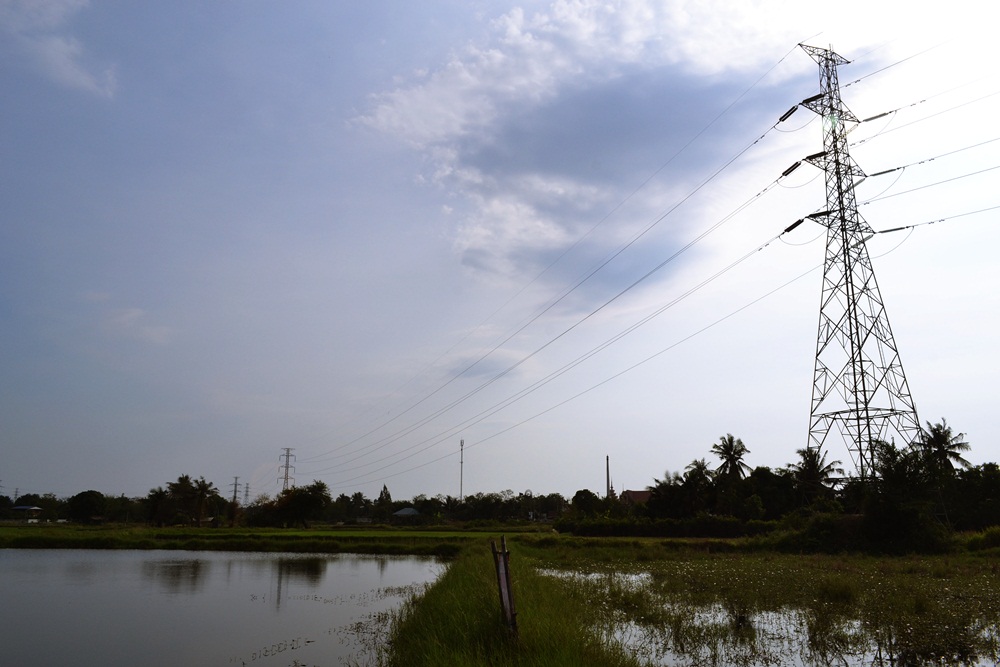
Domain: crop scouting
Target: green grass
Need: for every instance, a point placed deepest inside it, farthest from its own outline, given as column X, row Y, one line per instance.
column 458, row 622
column 443, row 544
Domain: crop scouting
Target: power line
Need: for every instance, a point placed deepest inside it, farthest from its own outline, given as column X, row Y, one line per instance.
column 931, row 159
column 587, row 275
column 381, row 444
column 930, row 185
column 937, row 220
column 894, row 64
column 374, row 476
column 497, row 407
column 925, row 118
column 509, row 338
column 366, row 478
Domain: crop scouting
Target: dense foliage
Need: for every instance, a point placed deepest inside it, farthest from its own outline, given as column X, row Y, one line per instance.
column 916, row 498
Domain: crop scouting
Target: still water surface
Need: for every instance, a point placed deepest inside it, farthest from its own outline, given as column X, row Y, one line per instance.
column 90, row 607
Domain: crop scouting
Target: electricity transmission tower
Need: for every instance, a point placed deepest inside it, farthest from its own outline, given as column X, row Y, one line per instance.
column 285, row 479
column 859, row 388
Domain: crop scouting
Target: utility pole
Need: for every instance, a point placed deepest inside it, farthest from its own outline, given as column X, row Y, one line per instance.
column 609, row 487
column 859, row 388
column 287, row 467
column 246, row 494
column 607, row 476
column 461, row 470
column 232, row 507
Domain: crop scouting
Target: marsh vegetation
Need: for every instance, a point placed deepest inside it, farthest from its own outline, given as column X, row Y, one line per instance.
column 652, row 602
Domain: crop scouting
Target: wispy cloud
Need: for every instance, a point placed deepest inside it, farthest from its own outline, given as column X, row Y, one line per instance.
column 134, row 323
column 38, row 30
column 492, row 100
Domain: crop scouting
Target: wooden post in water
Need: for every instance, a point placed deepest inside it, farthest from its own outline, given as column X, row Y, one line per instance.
column 501, row 559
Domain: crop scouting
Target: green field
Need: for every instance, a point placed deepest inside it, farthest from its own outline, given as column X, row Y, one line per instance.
column 441, row 543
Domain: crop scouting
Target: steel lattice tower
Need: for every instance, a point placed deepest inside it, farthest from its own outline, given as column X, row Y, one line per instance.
column 859, row 388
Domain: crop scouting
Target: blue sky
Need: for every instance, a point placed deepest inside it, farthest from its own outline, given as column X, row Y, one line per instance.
column 352, row 228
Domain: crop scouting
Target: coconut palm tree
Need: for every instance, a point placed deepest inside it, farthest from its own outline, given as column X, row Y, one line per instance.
column 157, row 505
column 943, row 448
column 698, row 487
column 697, row 471
column 812, row 473
column 182, row 496
column 203, row 490
column 731, row 451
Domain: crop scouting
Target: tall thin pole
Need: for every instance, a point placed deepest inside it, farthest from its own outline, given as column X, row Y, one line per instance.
column 461, row 470
column 232, row 508
column 607, row 476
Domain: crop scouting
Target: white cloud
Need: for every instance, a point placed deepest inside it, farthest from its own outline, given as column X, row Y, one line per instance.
column 461, row 108
column 33, row 15
column 503, row 228
column 61, row 58
column 37, row 29
column 460, row 113
column 134, row 323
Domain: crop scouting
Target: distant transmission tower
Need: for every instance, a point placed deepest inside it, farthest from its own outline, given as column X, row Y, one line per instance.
column 287, row 468
column 859, row 387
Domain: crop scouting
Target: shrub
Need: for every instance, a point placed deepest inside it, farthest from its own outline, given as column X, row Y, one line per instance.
column 988, row 539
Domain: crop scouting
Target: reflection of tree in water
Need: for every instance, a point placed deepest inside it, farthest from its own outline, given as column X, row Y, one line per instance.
column 177, row 576
column 309, row 570
column 729, row 636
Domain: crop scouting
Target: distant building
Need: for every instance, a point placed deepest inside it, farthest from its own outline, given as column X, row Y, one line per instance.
column 406, row 516
column 30, row 512
column 633, row 498
column 406, row 511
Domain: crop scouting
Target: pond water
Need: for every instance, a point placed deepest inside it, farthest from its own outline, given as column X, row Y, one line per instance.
column 666, row 625
column 89, row 607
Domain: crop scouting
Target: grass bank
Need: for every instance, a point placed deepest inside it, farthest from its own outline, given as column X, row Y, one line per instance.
column 457, row 621
column 439, row 543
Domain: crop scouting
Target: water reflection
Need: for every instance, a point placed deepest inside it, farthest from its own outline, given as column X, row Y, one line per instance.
column 310, row 570
column 664, row 621
column 268, row 610
column 178, row 576
column 717, row 636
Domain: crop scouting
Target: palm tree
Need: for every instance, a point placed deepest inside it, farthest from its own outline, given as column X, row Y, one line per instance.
column 699, row 491
column 203, row 490
column 943, row 448
column 182, row 493
column 157, row 505
column 697, row 471
column 731, row 451
column 812, row 472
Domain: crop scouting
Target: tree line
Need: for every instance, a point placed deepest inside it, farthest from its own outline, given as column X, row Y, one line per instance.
column 198, row 503
column 914, row 498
